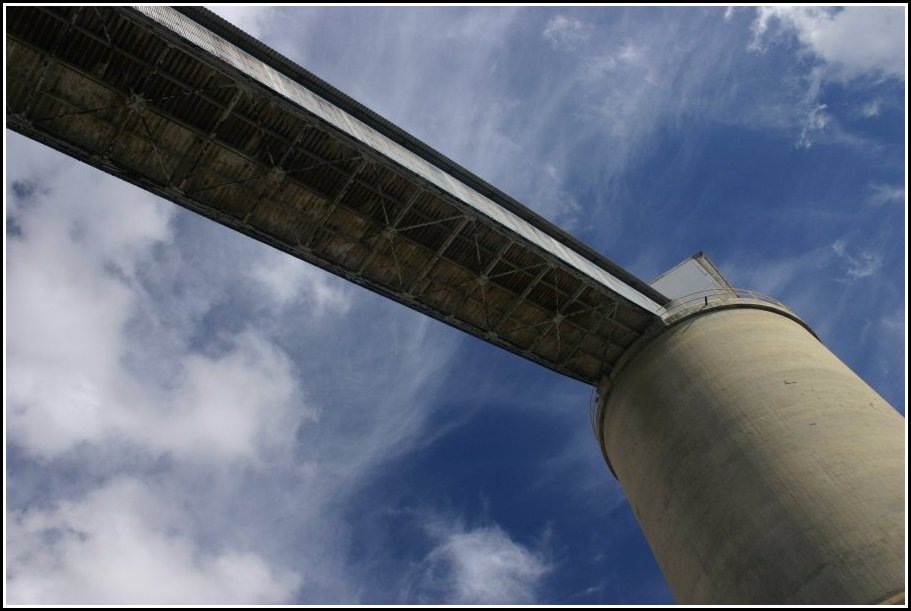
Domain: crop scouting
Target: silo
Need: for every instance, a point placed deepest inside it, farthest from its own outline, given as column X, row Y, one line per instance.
column 761, row 468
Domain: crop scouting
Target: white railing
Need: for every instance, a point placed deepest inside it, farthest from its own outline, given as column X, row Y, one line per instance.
column 713, row 297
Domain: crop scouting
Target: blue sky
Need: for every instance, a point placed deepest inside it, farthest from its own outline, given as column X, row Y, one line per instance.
column 192, row 417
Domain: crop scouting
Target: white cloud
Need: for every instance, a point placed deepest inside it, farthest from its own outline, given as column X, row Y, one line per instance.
column 881, row 194
column 871, row 109
column 483, row 566
column 615, row 60
column 125, row 543
column 69, row 275
column 860, row 264
column 79, row 366
column 562, row 31
column 246, row 394
column 227, row 407
column 291, row 282
column 74, row 272
column 860, row 44
column 814, row 123
column 854, row 40
column 782, row 277
column 233, row 405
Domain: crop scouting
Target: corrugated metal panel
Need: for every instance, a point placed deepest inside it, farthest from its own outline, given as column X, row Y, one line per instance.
column 691, row 276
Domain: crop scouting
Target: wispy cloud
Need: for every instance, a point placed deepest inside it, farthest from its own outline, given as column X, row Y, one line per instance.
column 871, row 109
column 858, row 44
column 450, row 87
column 455, row 91
column 476, row 566
column 562, row 31
column 776, row 277
column 859, row 264
column 815, row 122
column 881, row 194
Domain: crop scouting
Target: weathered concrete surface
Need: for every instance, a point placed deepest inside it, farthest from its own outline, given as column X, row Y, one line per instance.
column 761, row 468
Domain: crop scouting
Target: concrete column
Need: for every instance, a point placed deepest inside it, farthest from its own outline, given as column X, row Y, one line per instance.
column 761, row 468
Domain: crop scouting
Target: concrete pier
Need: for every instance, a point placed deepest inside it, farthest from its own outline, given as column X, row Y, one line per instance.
column 761, row 468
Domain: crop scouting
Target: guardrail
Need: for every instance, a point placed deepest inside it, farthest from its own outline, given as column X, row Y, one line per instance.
column 713, row 297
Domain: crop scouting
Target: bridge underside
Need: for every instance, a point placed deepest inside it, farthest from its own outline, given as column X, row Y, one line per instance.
column 120, row 91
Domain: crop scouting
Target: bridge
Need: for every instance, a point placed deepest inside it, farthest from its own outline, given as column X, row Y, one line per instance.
column 187, row 107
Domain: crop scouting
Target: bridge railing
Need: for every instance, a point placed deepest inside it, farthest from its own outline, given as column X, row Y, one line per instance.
column 714, row 297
